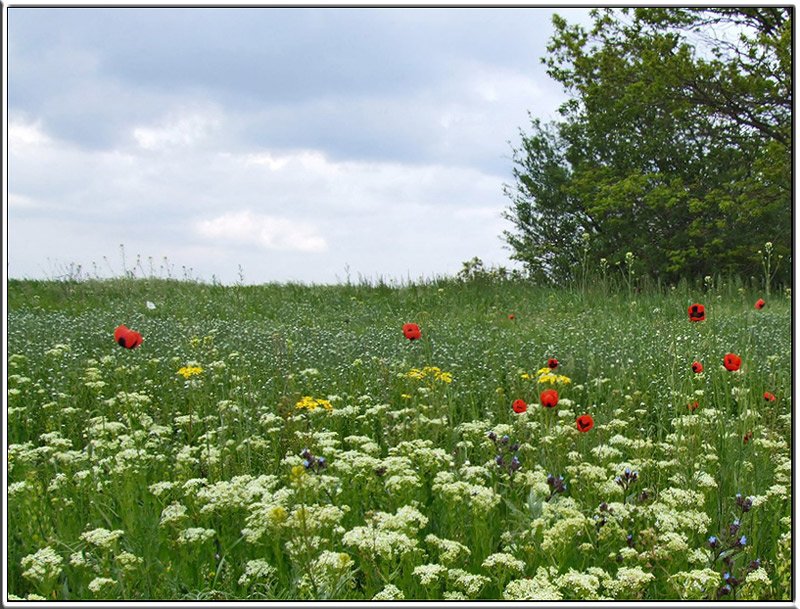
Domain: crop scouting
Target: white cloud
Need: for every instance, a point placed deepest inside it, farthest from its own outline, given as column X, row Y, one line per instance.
column 176, row 130
column 264, row 230
column 26, row 134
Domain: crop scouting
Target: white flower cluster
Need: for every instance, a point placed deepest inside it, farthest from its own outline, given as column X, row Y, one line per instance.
column 538, row 588
column 195, row 535
column 42, row 566
column 629, row 582
column 389, row 593
column 238, row 492
column 172, row 514
column 469, row 583
column 449, row 551
column 99, row 583
column 102, row 538
column 480, row 499
column 503, row 560
column 258, row 570
column 429, row 573
column 696, row 584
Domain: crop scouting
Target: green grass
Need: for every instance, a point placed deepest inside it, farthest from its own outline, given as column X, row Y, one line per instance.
column 200, row 477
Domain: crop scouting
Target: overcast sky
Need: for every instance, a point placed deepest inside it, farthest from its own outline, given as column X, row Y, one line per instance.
column 295, row 143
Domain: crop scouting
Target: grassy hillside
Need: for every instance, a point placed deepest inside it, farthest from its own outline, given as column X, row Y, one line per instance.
column 190, row 466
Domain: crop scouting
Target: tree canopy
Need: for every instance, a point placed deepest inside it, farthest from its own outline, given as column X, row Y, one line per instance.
column 675, row 146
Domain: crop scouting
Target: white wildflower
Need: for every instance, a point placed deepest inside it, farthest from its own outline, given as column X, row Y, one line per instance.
column 257, row 570
column 42, row 566
column 389, row 593
column 429, row 573
column 503, row 560
column 99, row 583
column 195, row 535
column 102, row 538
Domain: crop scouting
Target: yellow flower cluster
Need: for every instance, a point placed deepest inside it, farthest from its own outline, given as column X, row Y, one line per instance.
column 188, row 372
column 310, row 403
column 430, row 372
column 545, row 375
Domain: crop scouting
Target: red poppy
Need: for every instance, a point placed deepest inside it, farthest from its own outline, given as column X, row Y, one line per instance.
column 732, row 362
column 549, row 398
column 552, row 363
column 697, row 367
column 760, row 304
column 584, row 422
column 511, row 316
column 697, row 312
column 519, row 406
column 126, row 337
column 412, row 331
column 769, row 397
column 747, row 437
column 694, row 406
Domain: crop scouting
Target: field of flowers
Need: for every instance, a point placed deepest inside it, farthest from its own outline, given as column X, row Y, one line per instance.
column 289, row 442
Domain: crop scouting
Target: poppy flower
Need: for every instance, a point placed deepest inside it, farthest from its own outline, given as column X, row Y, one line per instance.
column 769, row 397
column 126, row 337
column 747, row 437
column 694, row 406
column 697, row 312
column 412, row 331
column 519, row 406
column 584, row 422
column 697, row 367
column 732, row 362
column 552, row 363
column 549, row 398
column 760, row 304
column 511, row 316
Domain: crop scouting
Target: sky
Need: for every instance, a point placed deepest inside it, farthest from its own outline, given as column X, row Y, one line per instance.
column 268, row 144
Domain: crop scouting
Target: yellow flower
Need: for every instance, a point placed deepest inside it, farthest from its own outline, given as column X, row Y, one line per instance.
column 188, row 372
column 555, row 379
column 310, row 403
column 434, row 372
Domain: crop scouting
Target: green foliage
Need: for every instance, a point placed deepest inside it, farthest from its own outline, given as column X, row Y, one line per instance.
column 130, row 481
column 676, row 145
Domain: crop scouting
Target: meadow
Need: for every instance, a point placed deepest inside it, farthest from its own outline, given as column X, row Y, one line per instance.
column 289, row 442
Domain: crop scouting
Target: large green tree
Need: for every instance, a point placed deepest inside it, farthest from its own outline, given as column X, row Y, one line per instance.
column 675, row 145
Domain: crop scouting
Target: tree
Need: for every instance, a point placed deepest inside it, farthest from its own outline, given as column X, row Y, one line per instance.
column 676, row 145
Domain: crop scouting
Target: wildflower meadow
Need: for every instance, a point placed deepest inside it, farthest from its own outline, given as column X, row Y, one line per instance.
column 482, row 439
